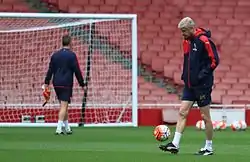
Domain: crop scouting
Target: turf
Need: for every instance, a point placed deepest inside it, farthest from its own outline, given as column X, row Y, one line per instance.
column 113, row 145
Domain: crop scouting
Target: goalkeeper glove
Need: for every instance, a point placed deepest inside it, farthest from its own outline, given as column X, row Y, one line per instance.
column 46, row 94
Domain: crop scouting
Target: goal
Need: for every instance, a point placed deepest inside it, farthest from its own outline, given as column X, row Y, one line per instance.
column 106, row 47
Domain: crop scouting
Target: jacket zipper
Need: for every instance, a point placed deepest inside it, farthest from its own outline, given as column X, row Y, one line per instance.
column 189, row 85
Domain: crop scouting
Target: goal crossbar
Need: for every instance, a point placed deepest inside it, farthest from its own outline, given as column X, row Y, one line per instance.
column 66, row 15
column 82, row 22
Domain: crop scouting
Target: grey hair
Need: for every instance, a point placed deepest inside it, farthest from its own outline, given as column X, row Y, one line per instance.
column 186, row 22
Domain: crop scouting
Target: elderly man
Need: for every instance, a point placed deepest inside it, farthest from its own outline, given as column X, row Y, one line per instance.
column 200, row 60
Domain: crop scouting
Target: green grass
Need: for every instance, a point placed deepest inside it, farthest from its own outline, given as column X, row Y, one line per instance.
column 114, row 145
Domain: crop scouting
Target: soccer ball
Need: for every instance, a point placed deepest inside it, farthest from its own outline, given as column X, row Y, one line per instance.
column 221, row 125
column 235, row 126
column 161, row 133
column 200, row 125
column 215, row 125
column 243, row 125
column 239, row 125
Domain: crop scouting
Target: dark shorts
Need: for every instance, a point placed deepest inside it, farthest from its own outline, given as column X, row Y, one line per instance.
column 201, row 95
column 63, row 94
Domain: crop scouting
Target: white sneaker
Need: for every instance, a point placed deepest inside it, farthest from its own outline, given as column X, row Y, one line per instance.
column 204, row 152
column 59, row 132
column 68, row 131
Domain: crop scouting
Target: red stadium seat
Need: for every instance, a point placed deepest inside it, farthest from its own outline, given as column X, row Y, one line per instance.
column 4, row 7
column 158, row 64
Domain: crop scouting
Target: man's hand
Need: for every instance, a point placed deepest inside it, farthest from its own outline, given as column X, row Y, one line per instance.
column 44, row 86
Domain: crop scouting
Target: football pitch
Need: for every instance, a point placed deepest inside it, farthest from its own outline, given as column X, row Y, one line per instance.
column 114, row 145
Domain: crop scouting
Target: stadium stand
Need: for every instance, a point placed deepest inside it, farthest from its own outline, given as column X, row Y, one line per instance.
column 160, row 52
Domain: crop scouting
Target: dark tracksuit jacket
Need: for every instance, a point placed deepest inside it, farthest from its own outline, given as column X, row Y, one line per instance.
column 63, row 65
column 200, row 60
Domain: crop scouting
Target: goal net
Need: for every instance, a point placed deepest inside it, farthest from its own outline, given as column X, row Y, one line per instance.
column 106, row 47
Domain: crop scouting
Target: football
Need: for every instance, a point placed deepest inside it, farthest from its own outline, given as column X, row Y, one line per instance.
column 239, row 125
column 221, row 125
column 200, row 125
column 161, row 133
column 235, row 126
column 215, row 125
column 243, row 125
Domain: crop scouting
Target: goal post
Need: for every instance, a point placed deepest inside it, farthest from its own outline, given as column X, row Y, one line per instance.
column 106, row 47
